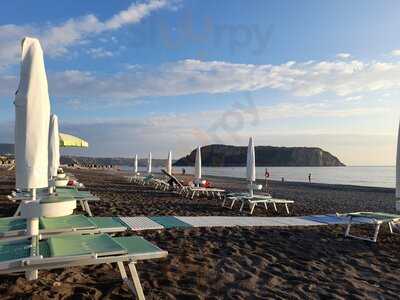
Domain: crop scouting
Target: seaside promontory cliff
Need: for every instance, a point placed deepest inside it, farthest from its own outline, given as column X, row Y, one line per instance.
column 235, row 156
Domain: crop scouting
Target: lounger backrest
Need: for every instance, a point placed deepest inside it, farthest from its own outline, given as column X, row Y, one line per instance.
column 174, row 179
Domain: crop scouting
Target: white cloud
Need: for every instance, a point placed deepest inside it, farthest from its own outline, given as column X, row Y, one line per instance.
column 350, row 79
column 395, row 52
column 99, row 53
column 354, row 98
column 343, row 55
column 56, row 40
column 347, row 79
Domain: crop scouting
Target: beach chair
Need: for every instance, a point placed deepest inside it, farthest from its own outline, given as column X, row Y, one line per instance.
column 80, row 250
column 374, row 218
column 160, row 184
column 16, row 227
column 256, row 199
column 191, row 192
column 61, row 194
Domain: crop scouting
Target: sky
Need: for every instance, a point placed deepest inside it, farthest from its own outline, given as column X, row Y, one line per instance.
column 137, row 76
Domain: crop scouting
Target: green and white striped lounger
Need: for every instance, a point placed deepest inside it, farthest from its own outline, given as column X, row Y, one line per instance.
column 68, row 251
column 375, row 218
column 14, row 227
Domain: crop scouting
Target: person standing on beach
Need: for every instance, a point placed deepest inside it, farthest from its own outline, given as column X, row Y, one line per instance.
column 266, row 179
column 309, row 177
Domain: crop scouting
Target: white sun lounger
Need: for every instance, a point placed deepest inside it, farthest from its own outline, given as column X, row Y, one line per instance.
column 257, row 199
column 191, row 192
column 374, row 218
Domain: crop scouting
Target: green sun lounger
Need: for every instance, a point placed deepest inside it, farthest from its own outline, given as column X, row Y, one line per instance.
column 73, row 224
column 375, row 218
column 68, row 251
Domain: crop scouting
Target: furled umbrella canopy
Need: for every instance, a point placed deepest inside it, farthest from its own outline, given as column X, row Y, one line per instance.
column 169, row 163
column 251, row 164
column 32, row 117
column 54, row 147
column 149, row 164
column 135, row 165
column 197, row 166
column 67, row 140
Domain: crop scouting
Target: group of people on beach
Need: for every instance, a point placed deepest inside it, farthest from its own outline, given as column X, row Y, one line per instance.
column 267, row 176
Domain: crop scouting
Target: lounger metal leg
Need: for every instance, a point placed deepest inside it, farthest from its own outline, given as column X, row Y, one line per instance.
column 266, row 206
column 136, row 281
column 233, row 203
column 390, row 227
column 82, row 205
column 376, row 232
column 252, row 206
column 287, row 209
column 346, row 234
column 124, row 276
column 88, row 209
column 17, row 212
column 241, row 207
column 275, row 207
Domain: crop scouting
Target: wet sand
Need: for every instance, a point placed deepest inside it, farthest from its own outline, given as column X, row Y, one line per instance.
column 230, row 263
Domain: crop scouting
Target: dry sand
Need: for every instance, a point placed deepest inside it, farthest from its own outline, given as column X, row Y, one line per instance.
column 230, row 263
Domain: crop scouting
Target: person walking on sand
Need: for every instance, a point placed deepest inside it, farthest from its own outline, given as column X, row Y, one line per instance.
column 266, row 179
column 309, row 177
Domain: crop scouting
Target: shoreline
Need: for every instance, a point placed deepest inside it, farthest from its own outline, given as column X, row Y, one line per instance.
column 288, row 183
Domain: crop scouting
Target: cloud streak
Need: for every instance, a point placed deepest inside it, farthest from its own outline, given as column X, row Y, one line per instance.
column 186, row 77
column 57, row 40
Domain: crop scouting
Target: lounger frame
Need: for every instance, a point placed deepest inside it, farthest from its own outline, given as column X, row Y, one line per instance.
column 376, row 223
column 39, row 263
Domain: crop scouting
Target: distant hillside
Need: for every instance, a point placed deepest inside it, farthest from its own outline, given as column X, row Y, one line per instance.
column 6, row 149
column 104, row 161
column 235, row 156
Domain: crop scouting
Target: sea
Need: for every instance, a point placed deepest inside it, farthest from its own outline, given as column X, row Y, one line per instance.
column 351, row 175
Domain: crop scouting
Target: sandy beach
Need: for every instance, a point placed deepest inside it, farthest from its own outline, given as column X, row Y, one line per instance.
column 230, row 263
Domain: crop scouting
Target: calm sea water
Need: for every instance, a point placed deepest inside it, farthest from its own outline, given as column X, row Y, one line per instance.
column 364, row 176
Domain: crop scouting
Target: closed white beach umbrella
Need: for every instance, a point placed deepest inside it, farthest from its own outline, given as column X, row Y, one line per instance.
column 32, row 118
column 197, row 166
column 398, row 167
column 169, row 163
column 135, row 165
column 251, row 165
column 149, row 164
column 54, row 147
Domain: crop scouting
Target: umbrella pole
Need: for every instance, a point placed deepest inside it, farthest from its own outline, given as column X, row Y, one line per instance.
column 51, row 185
column 33, row 232
column 251, row 193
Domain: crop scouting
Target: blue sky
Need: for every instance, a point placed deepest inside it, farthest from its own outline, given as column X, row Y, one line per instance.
column 159, row 75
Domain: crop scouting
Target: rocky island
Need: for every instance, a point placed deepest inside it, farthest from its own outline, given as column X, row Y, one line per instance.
column 235, row 156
